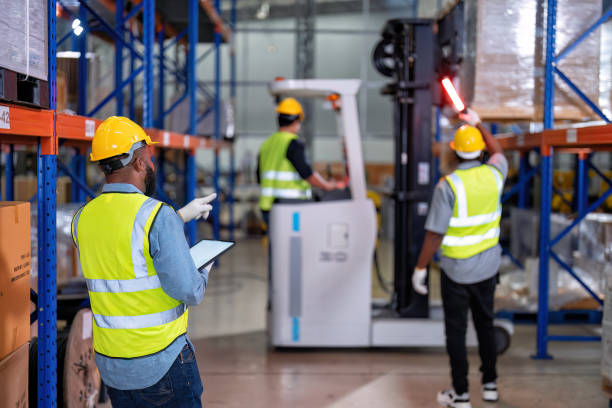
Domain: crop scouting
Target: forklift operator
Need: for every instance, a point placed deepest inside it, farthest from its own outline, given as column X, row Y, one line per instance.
column 464, row 222
column 282, row 168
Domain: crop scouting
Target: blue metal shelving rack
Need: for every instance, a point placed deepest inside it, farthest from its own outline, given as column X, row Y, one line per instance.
column 546, row 171
column 49, row 130
column 581, row 141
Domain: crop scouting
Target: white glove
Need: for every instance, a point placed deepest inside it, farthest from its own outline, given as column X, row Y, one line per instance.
column 470, row 117
column 419, row 276
column 197, row 208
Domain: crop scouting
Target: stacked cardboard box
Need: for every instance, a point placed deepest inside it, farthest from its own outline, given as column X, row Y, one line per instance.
column 14, row 302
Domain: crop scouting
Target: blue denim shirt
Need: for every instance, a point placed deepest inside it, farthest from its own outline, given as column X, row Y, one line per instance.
column 179, row 279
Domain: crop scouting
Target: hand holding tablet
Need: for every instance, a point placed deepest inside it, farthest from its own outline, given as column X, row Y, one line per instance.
column 206, row 251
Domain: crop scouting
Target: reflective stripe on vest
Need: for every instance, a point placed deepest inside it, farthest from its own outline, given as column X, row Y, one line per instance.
column 281, row 175
column 123, row 285
column 287, row 193
column 140, row 322
column 279, row 178
column 133, row 316
column 474, row 225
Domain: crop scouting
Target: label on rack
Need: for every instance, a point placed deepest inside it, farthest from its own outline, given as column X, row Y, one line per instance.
column 5, row 119
column 571, row 136
column 166, row 139
column 520, row 140
column 90, row 128
column 186, row 141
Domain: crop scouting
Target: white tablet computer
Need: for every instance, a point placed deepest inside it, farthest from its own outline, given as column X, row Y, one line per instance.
column 207, row 251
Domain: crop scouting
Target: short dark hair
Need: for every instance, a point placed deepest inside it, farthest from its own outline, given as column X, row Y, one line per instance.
column 286, row 120
column 113, row 164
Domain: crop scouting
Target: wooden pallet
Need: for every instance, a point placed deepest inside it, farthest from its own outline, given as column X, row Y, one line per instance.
column 15, row 88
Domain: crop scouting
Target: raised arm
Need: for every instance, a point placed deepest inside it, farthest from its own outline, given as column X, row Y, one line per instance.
column 472, row 119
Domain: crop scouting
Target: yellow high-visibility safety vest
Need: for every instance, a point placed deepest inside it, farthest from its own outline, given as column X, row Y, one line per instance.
column 474, row 226
column 133, row 316
column 279, row 178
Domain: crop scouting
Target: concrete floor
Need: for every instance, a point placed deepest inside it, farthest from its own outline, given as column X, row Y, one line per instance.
column 239, row 370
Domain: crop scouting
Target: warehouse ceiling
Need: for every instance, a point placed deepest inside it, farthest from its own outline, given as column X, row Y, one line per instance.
column 175, row 13
column 248, row 9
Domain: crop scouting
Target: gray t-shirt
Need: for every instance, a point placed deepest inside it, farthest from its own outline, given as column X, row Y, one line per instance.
column 481, row 266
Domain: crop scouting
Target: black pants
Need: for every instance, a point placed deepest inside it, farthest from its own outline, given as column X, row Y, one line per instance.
column 457, row 299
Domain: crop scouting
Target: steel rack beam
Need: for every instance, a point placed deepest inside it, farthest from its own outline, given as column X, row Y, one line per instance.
column 47, row 230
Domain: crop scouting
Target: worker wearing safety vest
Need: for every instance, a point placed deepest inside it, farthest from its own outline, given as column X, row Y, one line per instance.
column 283, row 170
column 140, row 275
column 464, row 223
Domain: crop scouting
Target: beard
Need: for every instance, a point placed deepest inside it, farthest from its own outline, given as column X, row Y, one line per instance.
column 150, row 182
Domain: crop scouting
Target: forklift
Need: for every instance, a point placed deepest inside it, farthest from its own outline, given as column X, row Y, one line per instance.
column 322, row 251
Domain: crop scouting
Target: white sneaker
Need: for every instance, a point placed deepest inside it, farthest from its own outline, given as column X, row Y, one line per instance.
column 489, row 392
column 450, row 399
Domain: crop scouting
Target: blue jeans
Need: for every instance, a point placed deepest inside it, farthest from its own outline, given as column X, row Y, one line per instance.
column 181, row 387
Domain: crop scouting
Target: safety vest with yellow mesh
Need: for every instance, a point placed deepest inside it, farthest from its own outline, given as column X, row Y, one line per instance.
column 474, row 226
column 132, row 315
column 279, row 179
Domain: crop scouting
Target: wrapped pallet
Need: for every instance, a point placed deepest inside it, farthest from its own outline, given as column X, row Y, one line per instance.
column 596, row 237
column 502, row 75
column 23, row 37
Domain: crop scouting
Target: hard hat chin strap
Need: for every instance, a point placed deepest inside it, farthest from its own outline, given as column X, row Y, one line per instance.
column 116, row 163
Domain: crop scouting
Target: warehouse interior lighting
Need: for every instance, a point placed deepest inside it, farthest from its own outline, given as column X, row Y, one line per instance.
column 77, row 27
column 453, row 94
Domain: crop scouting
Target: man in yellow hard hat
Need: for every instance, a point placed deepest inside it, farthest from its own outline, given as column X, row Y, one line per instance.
column 464, row 222
column 283, row 170
column 140, row 275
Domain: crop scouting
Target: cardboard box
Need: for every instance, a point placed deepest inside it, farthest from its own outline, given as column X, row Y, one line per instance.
column 26, row 186
column 14, row 379
column 14, row 276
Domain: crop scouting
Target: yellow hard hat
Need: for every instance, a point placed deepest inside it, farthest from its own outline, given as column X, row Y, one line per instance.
column 116, row 136
column 291, row 107
column 467, row 140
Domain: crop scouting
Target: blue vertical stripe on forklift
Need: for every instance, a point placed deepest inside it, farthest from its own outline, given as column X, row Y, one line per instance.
column 295, row 329
column 296, row 221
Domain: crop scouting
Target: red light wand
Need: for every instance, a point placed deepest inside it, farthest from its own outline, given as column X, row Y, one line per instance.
column 453, row 95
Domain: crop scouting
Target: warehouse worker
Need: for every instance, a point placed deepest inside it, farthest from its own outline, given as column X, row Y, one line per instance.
column 140, row 275
column 464, row 222
column 283, row 171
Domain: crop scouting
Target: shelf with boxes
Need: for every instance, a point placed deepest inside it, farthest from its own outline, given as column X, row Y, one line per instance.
column 54, row 132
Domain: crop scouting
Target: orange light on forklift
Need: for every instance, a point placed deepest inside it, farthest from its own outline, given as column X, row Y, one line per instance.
column 334, row 98
column 453, row 95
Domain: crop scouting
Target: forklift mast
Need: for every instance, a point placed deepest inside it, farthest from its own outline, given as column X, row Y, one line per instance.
column 407, row 54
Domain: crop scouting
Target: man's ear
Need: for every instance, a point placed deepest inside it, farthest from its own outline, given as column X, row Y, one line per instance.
column 139, row 164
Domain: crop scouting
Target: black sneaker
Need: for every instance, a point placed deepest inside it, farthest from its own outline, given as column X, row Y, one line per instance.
column 450, row 399
column 489, row 392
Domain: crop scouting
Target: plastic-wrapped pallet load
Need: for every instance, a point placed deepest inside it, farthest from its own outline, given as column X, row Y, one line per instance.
column 68, row 265
column 23, row 37
column 524, row 237
column 502, row 75
column 596, row 237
